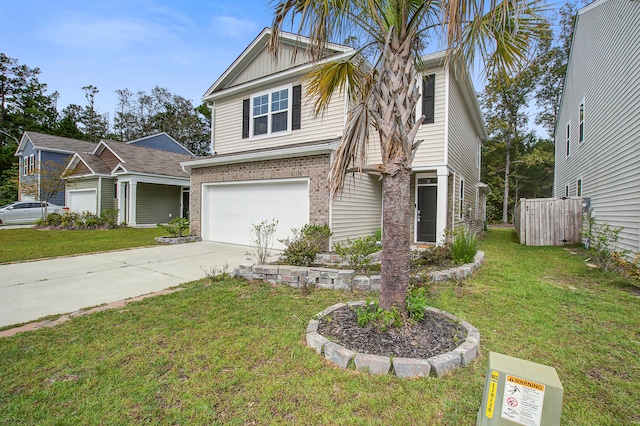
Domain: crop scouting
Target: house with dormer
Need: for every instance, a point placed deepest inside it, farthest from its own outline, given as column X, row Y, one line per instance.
column 272, row 155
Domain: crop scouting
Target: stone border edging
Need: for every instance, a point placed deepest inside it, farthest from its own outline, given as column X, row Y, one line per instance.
column 177, row 240
column 340, row 279
column 438, row 365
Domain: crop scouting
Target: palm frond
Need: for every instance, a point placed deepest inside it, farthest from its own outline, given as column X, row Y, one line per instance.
column 327, row 79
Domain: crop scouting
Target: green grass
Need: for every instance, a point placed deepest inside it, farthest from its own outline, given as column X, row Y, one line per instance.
column 27, row 243
column 234, row 353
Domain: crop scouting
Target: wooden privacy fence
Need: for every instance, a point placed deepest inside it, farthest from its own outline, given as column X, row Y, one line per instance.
column 549, row 221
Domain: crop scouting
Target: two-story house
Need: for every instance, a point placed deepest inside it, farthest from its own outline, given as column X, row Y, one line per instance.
column 272, row 156
column 597, row 134
column 37, row 149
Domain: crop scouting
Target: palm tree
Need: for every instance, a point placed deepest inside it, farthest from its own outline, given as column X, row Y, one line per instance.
column 383, row 96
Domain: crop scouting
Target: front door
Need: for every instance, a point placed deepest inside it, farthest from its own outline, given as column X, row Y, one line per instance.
column 427, row 213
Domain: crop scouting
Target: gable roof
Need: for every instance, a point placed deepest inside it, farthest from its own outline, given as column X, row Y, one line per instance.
column 161, row 141
column 139, row 159
column 131, row 159
column 51, row 143
column 259, row 46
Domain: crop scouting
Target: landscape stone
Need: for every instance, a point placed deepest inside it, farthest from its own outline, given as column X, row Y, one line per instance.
column 411, row 367
column 468, row 351
column 375, row 364
column 444, row 363
column 316, row 341
column 338, row 354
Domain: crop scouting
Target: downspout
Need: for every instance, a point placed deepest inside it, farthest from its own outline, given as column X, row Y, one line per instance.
column 212, row 107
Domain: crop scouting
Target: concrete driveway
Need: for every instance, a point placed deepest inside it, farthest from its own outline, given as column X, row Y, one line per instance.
column 31, row 290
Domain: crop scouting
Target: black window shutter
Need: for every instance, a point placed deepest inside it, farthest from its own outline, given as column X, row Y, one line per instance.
column 428, row 97
column 245, row 118
column 296, row 110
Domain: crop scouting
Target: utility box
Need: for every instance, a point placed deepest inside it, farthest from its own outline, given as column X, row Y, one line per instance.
column 519, row 392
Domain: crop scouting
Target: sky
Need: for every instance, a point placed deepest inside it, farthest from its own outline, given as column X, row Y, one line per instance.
column 183, row 46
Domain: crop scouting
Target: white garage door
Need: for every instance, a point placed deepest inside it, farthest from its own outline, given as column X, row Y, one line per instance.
column 83, row 201
column 230, row 209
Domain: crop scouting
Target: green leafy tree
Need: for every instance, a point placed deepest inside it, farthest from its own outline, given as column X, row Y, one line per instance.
column 383, row 97
column 49, row 183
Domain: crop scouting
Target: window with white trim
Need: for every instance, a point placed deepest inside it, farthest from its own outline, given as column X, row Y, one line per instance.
column 270, row 112
column 568, row 138
column 579, row 187
column 24, row 163
column 581, row 128
column 32, row 164
column 461, row 214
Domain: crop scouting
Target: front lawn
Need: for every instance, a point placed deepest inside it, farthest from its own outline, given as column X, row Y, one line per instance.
column 233, row 352
column 27, row 243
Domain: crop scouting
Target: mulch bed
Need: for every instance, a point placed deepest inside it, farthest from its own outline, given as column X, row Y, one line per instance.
column 434, row 335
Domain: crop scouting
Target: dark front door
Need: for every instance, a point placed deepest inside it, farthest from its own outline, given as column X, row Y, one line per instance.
column 427, row 213
column 185, row 204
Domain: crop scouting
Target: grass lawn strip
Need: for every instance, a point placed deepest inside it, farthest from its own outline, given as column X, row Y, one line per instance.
column 17, row 245
column 233, row 352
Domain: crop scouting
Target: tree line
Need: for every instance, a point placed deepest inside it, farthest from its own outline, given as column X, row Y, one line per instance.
column 26, row 105
column 517, row 162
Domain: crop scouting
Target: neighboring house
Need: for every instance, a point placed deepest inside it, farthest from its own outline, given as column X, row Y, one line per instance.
column 145, row 185
column 597, row 134
column 36, row 149
column 163, row 142
column 272, row 156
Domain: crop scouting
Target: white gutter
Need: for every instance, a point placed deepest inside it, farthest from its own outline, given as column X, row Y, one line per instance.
column 297, row 151
column 212, row 107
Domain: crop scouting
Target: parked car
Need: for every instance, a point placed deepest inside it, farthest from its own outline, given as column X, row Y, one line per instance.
column 26, row 211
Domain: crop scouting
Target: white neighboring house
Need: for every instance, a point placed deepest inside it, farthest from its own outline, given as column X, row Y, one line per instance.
column 597, row 134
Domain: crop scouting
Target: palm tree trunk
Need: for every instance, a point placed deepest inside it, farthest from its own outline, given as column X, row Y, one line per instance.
column 396, row 253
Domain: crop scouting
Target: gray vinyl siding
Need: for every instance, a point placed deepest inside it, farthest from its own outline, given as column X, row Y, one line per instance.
column 228, row 123
column 463, row 151
column 358, row 212
column 157, row 203
column 432, row 150
column 107, row 197
column 86, row 183
column 604, row 71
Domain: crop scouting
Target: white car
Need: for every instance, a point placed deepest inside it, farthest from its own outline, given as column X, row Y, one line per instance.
column 26, row 211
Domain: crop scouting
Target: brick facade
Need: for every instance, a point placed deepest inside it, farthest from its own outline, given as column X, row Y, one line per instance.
column 315, row 167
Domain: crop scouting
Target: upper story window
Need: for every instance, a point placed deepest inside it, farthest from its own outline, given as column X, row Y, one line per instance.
column 581, row 129
column 270, row 113
column 428, row 98
column 568, row 138
column 29, row 165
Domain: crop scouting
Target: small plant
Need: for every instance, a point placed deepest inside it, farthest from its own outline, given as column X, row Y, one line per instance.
column 378, row 234
column 306, row 243
column 630, row 268
column 262, row 235
column 371, row 312
column 464, row 247
column 356, row 252
column 109, row 217
column 215, row 275
column 416, row 303
column 601, row 241
column 176, row 227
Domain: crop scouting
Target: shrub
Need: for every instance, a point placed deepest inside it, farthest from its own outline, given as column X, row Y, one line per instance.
column 416, row 303
column 433, row 256
column 464, row 247
column 109, row 217
column 306, row 243
column 262, row 240
column 601, row 241
column 176, row 227
column 356, row 252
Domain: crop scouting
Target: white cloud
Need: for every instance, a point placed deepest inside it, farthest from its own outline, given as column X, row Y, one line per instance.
column 232, row 27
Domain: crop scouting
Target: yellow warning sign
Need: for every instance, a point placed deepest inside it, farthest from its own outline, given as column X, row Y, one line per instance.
column 523, row 382
column 493, row 390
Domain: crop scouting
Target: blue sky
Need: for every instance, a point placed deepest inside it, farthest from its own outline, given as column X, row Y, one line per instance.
column 135, row 44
